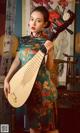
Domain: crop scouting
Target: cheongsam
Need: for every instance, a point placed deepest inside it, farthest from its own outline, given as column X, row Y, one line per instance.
column 40, row 102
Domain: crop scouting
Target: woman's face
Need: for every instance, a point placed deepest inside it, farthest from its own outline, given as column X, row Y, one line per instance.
column 36, row 22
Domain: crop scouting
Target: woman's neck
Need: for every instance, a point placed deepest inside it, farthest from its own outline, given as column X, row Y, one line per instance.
column 36, row 34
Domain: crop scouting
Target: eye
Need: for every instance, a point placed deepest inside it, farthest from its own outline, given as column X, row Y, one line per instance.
column 38, row 20
column 31, row 19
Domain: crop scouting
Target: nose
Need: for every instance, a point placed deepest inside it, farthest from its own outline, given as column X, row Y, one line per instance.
column 34, row 23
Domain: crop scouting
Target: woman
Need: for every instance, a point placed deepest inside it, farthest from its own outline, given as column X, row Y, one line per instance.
column 44, row 93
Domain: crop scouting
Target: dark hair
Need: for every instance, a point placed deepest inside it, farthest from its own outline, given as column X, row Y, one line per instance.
column 45, row 13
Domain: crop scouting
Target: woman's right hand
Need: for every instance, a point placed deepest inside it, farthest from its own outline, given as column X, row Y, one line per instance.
column 49, row 45
column 6, row 87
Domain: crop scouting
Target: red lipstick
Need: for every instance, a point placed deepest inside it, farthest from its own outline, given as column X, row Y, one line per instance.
column 33, row 28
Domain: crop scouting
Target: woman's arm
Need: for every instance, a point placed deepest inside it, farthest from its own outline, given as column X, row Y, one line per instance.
column 50, row 61
column 52, row 66
column 14, row 67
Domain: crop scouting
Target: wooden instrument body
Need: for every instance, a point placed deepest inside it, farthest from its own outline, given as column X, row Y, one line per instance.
column 22, row 82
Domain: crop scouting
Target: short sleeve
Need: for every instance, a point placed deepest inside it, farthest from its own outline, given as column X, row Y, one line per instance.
column 18, row 48
column 23, row 41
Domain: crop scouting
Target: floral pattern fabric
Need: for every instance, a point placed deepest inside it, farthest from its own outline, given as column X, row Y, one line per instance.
column 44, row 93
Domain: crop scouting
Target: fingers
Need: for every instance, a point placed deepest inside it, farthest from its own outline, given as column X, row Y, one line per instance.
column 49, row 45
column 6, row 90
column 6, row 93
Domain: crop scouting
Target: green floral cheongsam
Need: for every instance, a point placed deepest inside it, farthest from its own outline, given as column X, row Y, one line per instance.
column 44, row 93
